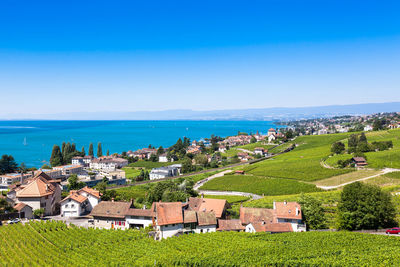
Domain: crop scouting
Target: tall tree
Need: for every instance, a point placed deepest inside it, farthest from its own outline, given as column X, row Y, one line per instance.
column 160, row 150
column 91, row 153
column 56, row 158
column 63, row 148
column 108, row 152
column 353, row 141
column 99, row 150
column 313, row 212
column 363, row 138
column 73, row 147
column 364, row 206
column 7, row 164
column 83, row 151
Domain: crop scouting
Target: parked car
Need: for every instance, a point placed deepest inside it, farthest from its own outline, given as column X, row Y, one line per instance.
column 13, row 221
column 395, row 230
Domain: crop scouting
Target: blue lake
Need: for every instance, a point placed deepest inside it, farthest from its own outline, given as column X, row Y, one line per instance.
column 117, row 136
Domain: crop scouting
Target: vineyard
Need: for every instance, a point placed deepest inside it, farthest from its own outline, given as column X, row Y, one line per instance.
column 53, row 243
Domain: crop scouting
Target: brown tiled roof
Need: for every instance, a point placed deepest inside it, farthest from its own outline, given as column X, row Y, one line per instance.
column 359, row 159
column 169, row 213
column 140, row 212
column 230, row 225
column 206, row 218
column 111, row 209
column 249, row 215
column 38, row 187
column 91, row 191
column 74, row 196
column 189, row 216
column 20, row 206
column 208, row 204
column 287, row 210
column 272, row 227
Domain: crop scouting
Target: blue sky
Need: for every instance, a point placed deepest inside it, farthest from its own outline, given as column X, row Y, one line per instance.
column 201, row 55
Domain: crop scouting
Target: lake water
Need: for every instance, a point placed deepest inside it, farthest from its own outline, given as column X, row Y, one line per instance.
column 117, row 136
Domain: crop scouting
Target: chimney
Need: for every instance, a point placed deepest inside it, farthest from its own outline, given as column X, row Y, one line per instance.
column 274, row 205
column 202, row 195
column 132, row 201
column 144, row 207
column 112, row 200
column 285, row 202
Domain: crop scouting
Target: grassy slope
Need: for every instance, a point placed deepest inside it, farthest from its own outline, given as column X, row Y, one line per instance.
column 348, row 177
column 131, row 173
column 303, row 163
column 381, row 159
column 258, row 185
column 149, row 164
column 61, row 246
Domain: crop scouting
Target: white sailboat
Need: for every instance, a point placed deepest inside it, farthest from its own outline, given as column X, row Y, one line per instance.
column 25, row 143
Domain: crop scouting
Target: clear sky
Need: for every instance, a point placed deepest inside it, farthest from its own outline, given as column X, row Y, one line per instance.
column 63, row 56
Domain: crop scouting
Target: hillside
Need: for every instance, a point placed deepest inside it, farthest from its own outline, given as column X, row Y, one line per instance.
column 54, row 244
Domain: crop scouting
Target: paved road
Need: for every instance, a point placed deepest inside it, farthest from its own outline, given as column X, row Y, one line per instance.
column 201, row 182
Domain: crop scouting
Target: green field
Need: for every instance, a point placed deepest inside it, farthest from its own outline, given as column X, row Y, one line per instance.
column 348, row 177
column 55, row 244
column 380, row 159
column 230, row 199
column 304, row 162
column 131, row 173
column 149, row 164
column 258, row 185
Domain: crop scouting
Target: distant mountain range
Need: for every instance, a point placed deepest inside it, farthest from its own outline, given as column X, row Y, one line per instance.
column 267, row 114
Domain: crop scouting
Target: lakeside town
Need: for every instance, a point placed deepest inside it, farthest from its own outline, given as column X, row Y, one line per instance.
column 76, row 192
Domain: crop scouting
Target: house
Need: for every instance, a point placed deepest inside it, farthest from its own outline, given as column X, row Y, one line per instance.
column 193, row 150
column 271, row 131
column 163, row 158
column 144, row 153
column 218, row 206
column 359, row 161
column 284, row 217
column 87, row 160
column 80, row 202
column 222, row 149
column 259, row 151
column 53, row 174
column 68, row 170
column 164, row 172
column 243, row 156
column 40, row 192
column 368, row 128
column 78, row 161
column 111, row 214
column 271, row 138
column 322, row 131
column 24, row 210
column 108, row 163
column 12, row 178
column 168, row 220
column 139, row 218
column 206, row 222
column 240, row 172
column 230, row 225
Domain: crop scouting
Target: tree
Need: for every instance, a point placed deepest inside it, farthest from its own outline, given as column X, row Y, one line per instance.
column 253, row 140
column 7, row 164
column 45, row 166
column 363, row 138
column 353, row 141
column 160, row 150
column 73, row 147
column 201, row 159
column 83, row 151
column 5, row 207
column 56, row 157
column 108, row 152
column 338, row 147
column 186, row 142
column 187, row 165
column 153, row 158
column 313, row 212
column 99, row 150
column 38, row 213
column 364, row 206
column 378, row 125
column 91, row 153
column 22, row 168
column 74, row 183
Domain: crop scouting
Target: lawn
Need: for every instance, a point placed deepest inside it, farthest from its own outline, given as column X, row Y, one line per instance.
column 348, row 177
column 258, row 185
column 302, row 163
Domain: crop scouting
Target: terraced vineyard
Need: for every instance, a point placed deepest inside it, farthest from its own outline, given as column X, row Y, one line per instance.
column 53, row 244
column 258, row 185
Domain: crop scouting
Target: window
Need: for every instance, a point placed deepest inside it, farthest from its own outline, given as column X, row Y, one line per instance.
column 72, row 206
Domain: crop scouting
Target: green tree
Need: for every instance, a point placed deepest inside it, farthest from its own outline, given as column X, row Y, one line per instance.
column 22, row 168
column 201, row 159
column 187, row 165
column 83, row 151
column 99, row 150
column 363, row 138
column 39, row 212
column 74, row 183
column 153, row 158
column 56, row 157
column 5, row 207
column 45, row 166
column 108, row 152
column 353, row 141
column 378, row 125
column 253, row 140
column 7, row 164
column 91, row 153
column 313, row 212
column 338, row 147
column 160, row 150
column 364, row 206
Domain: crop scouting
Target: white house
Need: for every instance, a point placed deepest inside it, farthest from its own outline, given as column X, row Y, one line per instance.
column 12, row 178
column 111, row 215
column 163, row 158
column 80, row 202
column 68, row 170
column 108, row 164
column 164, row 172
column 139, row 218
column 206, row 222
column 271, row 138
column 368, row 128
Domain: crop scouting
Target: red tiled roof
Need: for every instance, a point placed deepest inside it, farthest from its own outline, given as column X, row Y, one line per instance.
column 110, row 209
column 91, row 191
column 74, row 196
column 250, row 215
column 169, row 213
column 140, row 212
column 206, row 218
column 230, row 225
column 288, row 210
column 189, row 216
column 208, row 204
column 20, row 206
column 272, row 227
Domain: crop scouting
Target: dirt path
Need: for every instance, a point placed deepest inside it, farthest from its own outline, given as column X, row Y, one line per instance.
column 384, row 171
